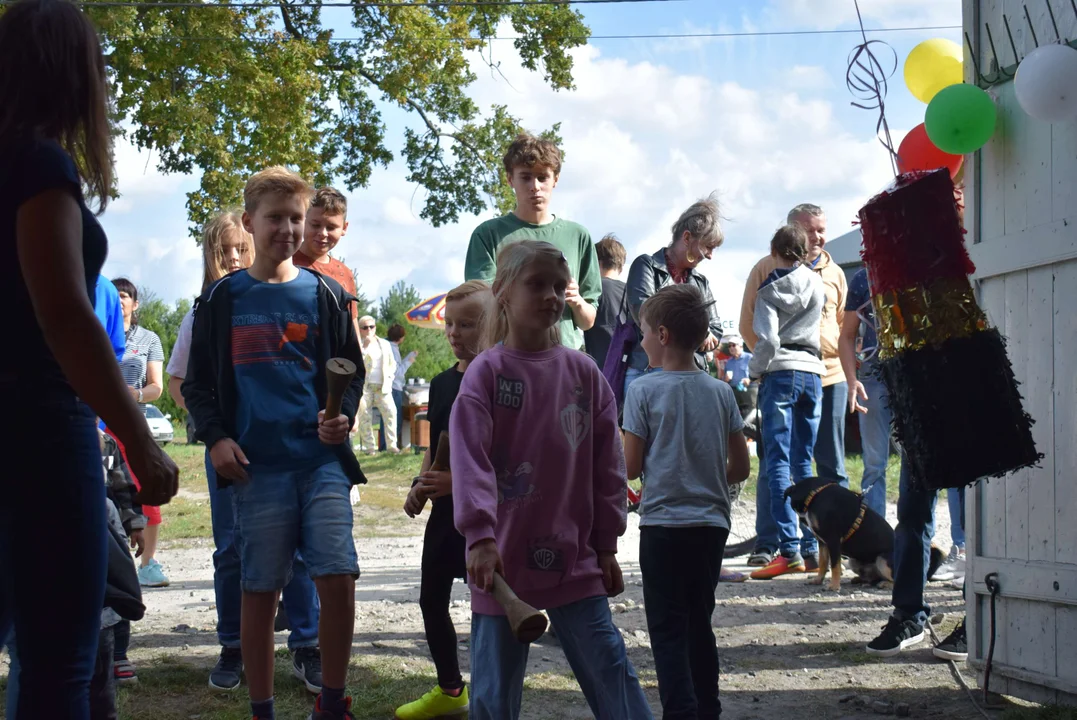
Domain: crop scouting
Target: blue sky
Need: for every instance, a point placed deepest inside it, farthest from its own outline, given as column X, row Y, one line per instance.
column 653, row 125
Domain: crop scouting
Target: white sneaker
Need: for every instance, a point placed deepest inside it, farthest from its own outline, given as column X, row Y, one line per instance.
column 944, row 573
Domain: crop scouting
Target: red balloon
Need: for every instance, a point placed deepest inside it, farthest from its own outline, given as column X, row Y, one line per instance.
column 917, row 152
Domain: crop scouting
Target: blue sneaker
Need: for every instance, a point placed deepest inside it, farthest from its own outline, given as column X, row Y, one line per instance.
column 152, row 575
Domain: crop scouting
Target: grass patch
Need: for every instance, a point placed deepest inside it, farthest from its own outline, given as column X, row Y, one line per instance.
column 170, row 689
column 185, row 518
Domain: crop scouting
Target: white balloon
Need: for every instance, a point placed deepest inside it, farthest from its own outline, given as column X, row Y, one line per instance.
column 1046, row 83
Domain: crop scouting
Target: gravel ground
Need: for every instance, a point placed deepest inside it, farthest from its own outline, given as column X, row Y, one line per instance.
column 785, row 647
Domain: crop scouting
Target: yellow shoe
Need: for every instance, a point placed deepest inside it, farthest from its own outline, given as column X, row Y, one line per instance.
column 434, row 704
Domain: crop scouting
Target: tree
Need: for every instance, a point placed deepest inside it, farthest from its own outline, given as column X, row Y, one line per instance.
column 232, row 88
column 154, row 314
column 434, row 354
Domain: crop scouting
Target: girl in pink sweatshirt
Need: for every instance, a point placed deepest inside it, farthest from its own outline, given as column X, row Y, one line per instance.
column 539, row 488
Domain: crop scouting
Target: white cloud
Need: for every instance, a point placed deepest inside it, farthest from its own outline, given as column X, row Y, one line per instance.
column 398, row 211
column 642, row 142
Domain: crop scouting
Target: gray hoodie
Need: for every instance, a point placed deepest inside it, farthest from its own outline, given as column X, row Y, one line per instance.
column 788, row 309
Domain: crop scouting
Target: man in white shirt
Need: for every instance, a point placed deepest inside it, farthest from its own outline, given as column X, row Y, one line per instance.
column 380, row 364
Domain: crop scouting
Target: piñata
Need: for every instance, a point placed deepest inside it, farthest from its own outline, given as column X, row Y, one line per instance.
column 953, row 397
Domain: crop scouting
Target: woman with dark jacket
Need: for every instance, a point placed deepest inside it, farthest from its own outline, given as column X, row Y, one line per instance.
column 696, row 235
column 54, row 153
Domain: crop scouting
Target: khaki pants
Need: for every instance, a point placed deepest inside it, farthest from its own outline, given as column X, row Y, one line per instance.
column 373, row 397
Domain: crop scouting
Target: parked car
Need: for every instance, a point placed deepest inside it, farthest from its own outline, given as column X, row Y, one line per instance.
column 160, row 425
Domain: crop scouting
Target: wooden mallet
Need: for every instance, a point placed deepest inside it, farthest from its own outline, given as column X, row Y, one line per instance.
column 338, row 374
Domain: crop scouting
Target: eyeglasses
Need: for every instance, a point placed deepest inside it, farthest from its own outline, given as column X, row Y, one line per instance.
column 366, row 327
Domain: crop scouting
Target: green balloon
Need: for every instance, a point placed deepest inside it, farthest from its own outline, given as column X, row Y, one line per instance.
column 960, row 119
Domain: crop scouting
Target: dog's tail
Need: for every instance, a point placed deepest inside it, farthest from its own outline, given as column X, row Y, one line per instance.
column 938, row 557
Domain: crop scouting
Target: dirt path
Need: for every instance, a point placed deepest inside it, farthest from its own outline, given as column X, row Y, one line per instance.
column 787, row 650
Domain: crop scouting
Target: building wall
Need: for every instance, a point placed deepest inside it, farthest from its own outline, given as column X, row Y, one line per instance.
column 1022, row 222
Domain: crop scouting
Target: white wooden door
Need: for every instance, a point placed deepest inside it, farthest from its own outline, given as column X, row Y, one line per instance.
column 1022, row 221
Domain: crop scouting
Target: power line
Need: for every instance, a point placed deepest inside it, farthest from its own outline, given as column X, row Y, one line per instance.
column 356, row 4
column 673, row 36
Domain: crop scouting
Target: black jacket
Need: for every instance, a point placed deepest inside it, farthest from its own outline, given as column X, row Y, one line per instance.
column 210, row 385
column 120, row 488
column 647, row 276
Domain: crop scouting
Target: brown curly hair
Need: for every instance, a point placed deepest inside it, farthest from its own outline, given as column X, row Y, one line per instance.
column 528, row 151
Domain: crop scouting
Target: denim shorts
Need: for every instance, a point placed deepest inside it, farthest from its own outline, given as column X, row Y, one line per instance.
column 280, row 512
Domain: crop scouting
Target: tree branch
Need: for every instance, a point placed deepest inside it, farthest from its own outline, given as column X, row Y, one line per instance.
column 421, row 112
column 286, row 17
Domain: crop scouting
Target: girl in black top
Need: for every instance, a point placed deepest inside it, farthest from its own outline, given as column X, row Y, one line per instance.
column 54, row 141
column 444, row 551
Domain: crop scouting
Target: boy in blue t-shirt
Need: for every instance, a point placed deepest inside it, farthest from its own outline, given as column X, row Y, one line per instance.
column 256, row 387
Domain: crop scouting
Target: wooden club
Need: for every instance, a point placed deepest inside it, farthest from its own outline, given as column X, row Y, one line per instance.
column 338, row 374
column 527, row 623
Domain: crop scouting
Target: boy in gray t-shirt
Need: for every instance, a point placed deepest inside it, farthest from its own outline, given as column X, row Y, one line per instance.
column 683, row 431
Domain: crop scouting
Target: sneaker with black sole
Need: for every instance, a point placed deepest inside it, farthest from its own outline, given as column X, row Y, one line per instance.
column 226, row 673
column 897, row 635
column 307, row 667
column 780, row 565
column 760, row 558
column 955, row 647
column 123, row 672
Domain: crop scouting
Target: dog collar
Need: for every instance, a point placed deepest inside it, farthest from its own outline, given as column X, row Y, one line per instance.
column 813, row 493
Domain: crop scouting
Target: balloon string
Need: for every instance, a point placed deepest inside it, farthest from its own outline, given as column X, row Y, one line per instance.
column 866, row 78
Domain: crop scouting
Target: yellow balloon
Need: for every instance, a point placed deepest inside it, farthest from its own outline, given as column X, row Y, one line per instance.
column 931, row 66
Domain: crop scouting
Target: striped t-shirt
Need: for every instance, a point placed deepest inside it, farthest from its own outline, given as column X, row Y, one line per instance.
column 143, row 346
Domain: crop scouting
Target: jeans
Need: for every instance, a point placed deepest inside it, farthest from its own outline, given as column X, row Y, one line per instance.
column 912, row 548
column 955, row 499
column 595, row 652
column 766, row 532
column 875, row 439
column 300, row 598
column 56, row 615
column 680, row 567
column 102, row 684
column 280, row 512
column 790, row 401
column 830, row 445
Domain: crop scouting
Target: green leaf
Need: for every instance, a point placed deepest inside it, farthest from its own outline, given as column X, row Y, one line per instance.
column 231, row 90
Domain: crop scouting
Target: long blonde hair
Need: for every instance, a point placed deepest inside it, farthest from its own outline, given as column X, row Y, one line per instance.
column 511, row 261
column 227, row 224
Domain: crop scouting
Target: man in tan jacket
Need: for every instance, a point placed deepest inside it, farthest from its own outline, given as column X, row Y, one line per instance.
column 830, row 446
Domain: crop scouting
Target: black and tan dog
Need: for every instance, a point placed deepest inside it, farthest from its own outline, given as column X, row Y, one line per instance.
column 845, row 526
